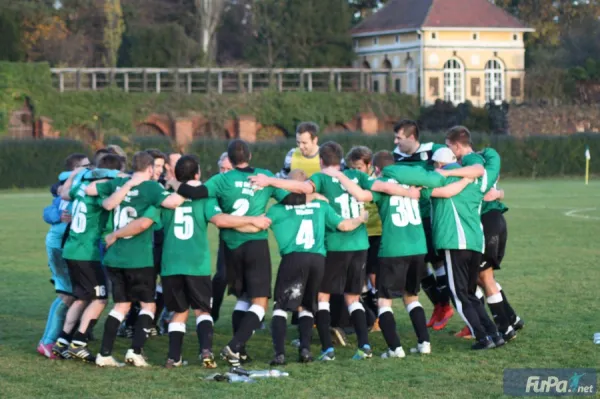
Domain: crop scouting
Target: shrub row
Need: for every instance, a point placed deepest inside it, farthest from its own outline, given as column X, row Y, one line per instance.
column 31, row 163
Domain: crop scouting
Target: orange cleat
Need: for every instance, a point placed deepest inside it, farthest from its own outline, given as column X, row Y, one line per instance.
column 464, row 333
column 435, row 316
column 445, row 314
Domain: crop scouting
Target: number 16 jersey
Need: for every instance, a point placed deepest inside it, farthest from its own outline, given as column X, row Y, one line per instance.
column 345, row 205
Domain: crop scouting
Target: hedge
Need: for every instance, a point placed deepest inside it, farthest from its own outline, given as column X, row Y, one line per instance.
column 36, row 163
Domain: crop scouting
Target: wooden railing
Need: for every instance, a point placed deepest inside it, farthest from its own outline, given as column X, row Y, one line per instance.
column 229, row 80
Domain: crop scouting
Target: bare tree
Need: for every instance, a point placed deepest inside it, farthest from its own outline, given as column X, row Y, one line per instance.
column 210, row 12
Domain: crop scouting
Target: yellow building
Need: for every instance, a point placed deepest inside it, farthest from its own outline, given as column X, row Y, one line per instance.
column 454, row 50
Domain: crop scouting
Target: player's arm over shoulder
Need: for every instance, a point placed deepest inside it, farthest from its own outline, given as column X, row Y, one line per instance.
column 287, row 165
column 451, row 189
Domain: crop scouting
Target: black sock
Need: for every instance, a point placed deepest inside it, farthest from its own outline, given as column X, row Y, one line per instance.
column 236, row 320
column 359, row 320
column 323, row 325
column 278, row 331
column 484, row 319
column 64, row 337
column 499, row 315
column 305, row 327
column 144, row 322
column 160, row 305
column 250, row 322
column 205, row 331
column 218, row 292
column 510, row 312
column 387, row 323
column 90, row 328
column 429, row 286
column 131, row 318
column 417, row 317
column 175, row 344
column 80, row 338
column 443, row 289
column 111, row 326
column 294, row 321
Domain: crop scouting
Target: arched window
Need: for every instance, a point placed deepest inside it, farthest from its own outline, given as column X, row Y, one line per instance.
column 494, row 81
column 411, row 77
column 454, row 81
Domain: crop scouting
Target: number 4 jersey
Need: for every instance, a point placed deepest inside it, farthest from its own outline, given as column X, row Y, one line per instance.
column 345, row 205
column 133, row 252
column 185, row 246
column 301, row 228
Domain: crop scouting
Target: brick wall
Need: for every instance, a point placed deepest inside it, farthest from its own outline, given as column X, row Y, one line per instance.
column 558, row 120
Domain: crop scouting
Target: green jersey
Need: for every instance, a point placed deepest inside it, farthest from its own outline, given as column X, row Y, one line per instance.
column 456, row 221
column 492, row 169
column 345, row 205
column 421, row 158
column 237, row 196
column 133, row 252
column 302, row 228
column 88, row 220
column 185, row 246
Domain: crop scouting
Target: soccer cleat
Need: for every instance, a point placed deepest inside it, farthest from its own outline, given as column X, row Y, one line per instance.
column 230, row 357
column 152, row 332
column 171, row 364
column 363, row 353
column 107, row 361
column 518, row 324
column 484, row 343
column 327, row 355
column 338, row 336
column 244, row 357
column 61, row 351
column 397, row 353
column 446, row 312
column 423, row 348
column 498, row 340
column 81, row 352
column 46, row 350
column 305, row 356
column 509, row 335
column 464, row 333
column 208, row 359
column 135, row 359
column 278, row 360
column 434, row 316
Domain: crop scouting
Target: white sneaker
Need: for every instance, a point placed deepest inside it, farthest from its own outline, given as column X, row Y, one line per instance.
column 107, row 361
column 399, row 353
column 134, row 359
column 424, row 348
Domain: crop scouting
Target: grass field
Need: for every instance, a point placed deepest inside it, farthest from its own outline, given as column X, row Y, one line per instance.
column 550, row 275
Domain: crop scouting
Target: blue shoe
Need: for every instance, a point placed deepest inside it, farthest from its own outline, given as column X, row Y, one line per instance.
column 363, row 353
column 327, row 355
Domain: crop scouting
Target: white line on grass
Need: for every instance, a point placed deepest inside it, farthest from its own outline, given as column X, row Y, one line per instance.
column 575, row 213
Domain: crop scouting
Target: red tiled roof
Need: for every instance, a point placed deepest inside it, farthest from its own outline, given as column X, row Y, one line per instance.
column 414, row 14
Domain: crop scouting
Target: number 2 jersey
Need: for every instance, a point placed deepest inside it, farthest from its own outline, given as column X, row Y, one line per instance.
column 301, row 228
column 345, row 205
column 185, row 247
column 238, row 197
column 133, row 252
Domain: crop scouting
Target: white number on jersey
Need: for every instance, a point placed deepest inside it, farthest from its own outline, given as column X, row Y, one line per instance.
column 349, row 206
column 124, row 216
column 184, row 223
column 407, row 211
column 100, row 290
column 241, row 206
column 305, row 234
column 79, row 220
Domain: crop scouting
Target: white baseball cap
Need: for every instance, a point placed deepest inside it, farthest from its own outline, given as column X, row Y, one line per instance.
column 444, row 155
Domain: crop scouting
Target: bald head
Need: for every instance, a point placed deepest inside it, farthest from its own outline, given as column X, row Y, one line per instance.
column 298, row 175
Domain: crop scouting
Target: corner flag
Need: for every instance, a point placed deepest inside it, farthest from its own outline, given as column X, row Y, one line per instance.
column 587, row 164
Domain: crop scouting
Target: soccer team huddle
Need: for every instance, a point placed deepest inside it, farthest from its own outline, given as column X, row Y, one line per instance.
column 355, row 232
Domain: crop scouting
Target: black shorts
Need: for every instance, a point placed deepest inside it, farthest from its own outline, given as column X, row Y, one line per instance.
column 345, row 272
column 87, row 279
column 373, row 254
column 248, row 269
column 157, row 249
column 400, row 275
column 182, row 292
column 432, row 256
column 133, row 285
column 298, row 281
column 496, row 234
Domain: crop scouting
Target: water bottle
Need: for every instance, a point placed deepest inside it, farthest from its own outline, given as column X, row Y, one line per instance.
column 268, row 373
column 597, row 338
column 239, row 378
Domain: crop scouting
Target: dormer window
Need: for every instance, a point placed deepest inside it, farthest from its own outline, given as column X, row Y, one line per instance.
column 475, row 36
column 397, row 38
column 375, row 41
column 515, row 37
column 433, row 35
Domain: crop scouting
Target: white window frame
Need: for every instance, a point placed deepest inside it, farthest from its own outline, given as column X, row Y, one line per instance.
column 495, row 86
column 454, row 81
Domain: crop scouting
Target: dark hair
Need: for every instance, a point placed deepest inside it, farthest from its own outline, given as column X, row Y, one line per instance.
column 382, row 159
column 99, row 154
column 459, row 134
column 157, row 154
column 186, row 168
column 409, row 127
column 331, row 153
column 73, row 159
column 238, row 152
column 111, row 161
column 141, row 161
column 308, row 127
column 359, row 153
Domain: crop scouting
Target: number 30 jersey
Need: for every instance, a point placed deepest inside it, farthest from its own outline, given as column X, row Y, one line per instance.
column 185, row 246
column 302, row 228
column 345, row 205
column 141, row 201
column 237, row 196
